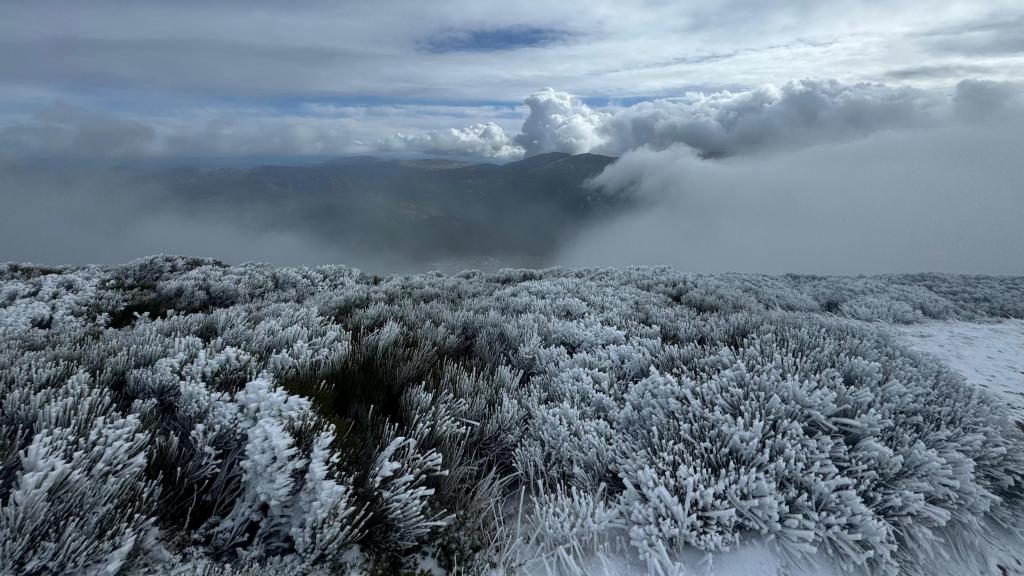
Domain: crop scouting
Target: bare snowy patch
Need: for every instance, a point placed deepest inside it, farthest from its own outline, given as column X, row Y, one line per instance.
column 989, row 355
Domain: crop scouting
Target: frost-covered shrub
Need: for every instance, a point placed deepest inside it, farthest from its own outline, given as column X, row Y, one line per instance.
column 872, row 309
column 194, row 563
column 76, row 500
column 182, row 414
column 819, row 434
column 570, row 526
column 473, row 420
column 287, row 499
column 397, row 485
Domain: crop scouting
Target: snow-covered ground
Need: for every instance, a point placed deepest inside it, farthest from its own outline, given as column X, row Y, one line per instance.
column 989, row 355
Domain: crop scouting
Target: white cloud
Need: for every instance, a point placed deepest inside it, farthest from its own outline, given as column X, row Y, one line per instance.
column 481, row 140
column 943, row 198
column 556, row 122
column 765, row 119
column 794, row 115
column 559, row 122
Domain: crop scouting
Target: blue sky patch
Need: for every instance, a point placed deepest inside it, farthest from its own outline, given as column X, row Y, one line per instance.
column 491, row 40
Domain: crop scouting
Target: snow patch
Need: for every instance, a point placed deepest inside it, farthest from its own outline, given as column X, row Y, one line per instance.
column 989, row 355
column 758, row 558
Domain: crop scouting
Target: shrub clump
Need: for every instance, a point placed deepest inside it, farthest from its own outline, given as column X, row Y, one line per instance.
column 181, row 414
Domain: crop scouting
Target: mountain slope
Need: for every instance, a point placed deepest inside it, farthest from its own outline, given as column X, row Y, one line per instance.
column 417, row 209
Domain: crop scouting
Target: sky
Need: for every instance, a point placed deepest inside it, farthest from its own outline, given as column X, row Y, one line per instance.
column 849, row 136
column 225, row 78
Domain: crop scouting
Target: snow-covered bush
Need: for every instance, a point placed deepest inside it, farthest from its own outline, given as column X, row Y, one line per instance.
column 182, row 414
column 569, row 526
column 77, row 499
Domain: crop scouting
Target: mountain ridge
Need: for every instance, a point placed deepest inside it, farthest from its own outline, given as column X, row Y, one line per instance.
column 422, row 209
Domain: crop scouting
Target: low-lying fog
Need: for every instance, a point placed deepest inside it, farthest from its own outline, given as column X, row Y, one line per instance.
column 938, row 199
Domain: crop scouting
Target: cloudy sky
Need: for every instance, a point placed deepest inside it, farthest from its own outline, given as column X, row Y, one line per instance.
column 112, row 78
column 848, row 136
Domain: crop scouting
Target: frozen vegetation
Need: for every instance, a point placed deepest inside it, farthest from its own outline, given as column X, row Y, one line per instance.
column 176, row 415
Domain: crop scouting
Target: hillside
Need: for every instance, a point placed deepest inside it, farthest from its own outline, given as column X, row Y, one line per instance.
column 424, row 210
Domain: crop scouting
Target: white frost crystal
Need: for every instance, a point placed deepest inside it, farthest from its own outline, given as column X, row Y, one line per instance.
column 180, row 414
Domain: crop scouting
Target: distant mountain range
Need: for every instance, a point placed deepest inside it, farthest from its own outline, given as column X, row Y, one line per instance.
column 418, row 210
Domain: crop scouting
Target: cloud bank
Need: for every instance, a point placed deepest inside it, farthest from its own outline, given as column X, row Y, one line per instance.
column 63, row 130
column 795, row 115
column 813, row 176
column 816, row 177
column 479, row 140
column 769, row 118
column 78, row 131
column 942, row 198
